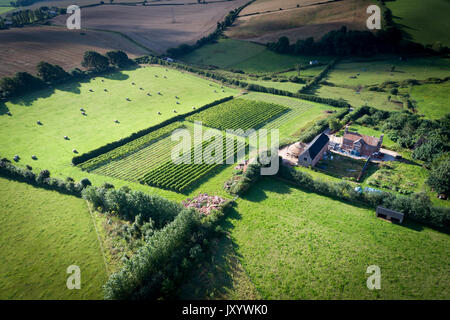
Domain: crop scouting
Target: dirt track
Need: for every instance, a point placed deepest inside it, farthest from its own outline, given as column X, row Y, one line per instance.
column 21, row 49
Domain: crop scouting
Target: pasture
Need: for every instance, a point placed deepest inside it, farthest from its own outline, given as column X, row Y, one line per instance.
column 431, row 99
column 246, row 56
column 58, row 109
column 21, row 49
column 297, row 23
column 359, row 73
column 362, row 97
column 299, row 245
column 43, row 233
column 424, row 22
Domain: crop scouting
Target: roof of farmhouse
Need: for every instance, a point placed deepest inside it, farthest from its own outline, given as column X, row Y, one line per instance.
column 354, row 136
column 317, row 144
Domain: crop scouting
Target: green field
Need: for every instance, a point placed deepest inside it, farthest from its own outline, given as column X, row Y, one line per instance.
column 43, row 233
column 246, row 56
column 5, row 9
column 431, row 99
column 374, row 99
column 298, row 245
column 59, row 111
column 370, row 72
column 424, row 21
column 286, row 86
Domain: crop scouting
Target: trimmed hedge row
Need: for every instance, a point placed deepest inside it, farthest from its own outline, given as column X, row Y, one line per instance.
column 315, row 81
column 110, row 146
column 43, row 179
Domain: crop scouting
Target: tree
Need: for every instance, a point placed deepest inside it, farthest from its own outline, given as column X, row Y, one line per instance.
column 51, row 73
column 95, row 61
column 334, row 124
column 439, row 178
column 118, row 58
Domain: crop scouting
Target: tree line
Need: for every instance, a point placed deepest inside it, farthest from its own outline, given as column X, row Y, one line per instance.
column 342, row 42
column 47, row 73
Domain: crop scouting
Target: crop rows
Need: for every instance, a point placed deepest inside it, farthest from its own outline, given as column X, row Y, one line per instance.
column 130, row 147
column 134, row 166
column 180, row 176
column 239, row 114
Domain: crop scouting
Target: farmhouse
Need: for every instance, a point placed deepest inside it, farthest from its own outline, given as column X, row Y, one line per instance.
column 314, row 151
column 359, row 144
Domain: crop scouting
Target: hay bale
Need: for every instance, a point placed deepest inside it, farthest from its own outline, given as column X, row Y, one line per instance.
column 91, row 90
column 193, row 108
column 133, row 83
column 66, row 138
column 84, row 113
column 9, row 113
column 160, row 93
column 116, row 121
column 33, row 157
column 175, row 111
column 128, row 99
column 149, row 94
column 141, row 88
column 106, row 90
column 16, row 158
column 39, row 123
column 159, row 113
column 74, row 151
column 82, row 110
column 178, row 102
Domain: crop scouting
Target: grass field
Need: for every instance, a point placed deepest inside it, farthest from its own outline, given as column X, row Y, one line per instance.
column 374, row 99
column 431, row 99
column 59, row 111
column 426, row 22
column 44, row 232
column 5, row 9
column 297, row 245
column 371, row 72
column 246, row 56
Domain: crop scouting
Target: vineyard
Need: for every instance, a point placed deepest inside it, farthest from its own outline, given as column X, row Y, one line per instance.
column 239, row 114
column 131, row 147
column 178, row 177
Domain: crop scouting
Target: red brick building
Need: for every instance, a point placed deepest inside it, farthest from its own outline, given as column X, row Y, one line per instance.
column 360, row 144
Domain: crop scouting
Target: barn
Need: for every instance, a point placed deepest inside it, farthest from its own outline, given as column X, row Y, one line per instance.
column 314, row 151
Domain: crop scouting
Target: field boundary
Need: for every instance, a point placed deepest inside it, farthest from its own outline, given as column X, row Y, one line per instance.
column 98, row 237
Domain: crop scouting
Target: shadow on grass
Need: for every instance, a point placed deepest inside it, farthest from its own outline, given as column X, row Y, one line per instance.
column 72, row 86
column 216, row 277
column 3, row 108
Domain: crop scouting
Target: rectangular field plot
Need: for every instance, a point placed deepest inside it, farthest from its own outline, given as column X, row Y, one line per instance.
column 239, row 114
column 179, row 177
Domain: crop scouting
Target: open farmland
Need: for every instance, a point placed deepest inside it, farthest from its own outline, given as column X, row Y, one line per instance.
column 431, row 99
column 195, row 166
column 362, row 97
column 246, row 56
column 351, row 73
column 298, row 23
column 298, row 245
column 157, row 27
column 43, row 233
column 21, row 49
column 59, row 111
column 239, row 114
column 424, row 21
